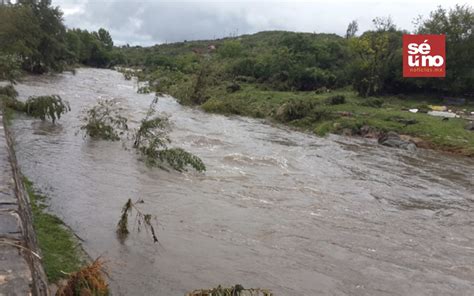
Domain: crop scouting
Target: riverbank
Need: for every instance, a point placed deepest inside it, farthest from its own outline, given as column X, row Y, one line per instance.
column 61, row 253
column 343, row 112
column 21, row 270
column 365, row 214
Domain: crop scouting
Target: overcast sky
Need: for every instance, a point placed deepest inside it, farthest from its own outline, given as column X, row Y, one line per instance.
column 147, row 22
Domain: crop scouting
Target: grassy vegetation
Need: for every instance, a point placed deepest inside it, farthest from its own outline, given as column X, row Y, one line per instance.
column 285, row 76
column 60, row 251
column 317, row 114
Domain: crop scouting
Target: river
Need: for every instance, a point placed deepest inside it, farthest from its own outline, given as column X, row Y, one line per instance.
column 277, row 209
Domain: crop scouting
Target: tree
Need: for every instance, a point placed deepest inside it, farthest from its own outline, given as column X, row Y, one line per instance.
column 458, row 25
column 9, row 68
column 373, row 55
column 352, row 29
column 105, row 38
column 384, row 24
column 230, row 49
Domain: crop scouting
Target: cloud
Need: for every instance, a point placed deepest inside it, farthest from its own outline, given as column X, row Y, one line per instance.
column 148, row 22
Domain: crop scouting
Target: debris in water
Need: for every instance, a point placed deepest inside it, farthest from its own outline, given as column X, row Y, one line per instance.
column 237, row 290
column 87, row 281
column 142, row 220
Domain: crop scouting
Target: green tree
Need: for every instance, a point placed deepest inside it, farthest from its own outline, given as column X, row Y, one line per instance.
column 230, row 49
column 374, row 53
column 458, row 25
column 105, row 38
column 352, row 29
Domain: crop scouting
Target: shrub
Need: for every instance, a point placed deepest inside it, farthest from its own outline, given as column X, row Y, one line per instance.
column 336, row 100
column 294, row 109
column 8, row 91
column 232, row 87
column 151, row 141
column 222, row 106
column 43, row 107
column 320, row 114
column 179, row 159
column 372, row 102
column 248, row 79
column 12, row 103
column 144, row 90
column 103, row 121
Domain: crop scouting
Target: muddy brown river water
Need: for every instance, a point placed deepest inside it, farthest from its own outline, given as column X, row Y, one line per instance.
column 279, row 209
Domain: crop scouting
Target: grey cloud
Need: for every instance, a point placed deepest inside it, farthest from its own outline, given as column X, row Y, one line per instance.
column 150, row 22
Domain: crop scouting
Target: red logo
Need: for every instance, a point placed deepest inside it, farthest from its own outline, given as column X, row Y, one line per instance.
column 424, row 55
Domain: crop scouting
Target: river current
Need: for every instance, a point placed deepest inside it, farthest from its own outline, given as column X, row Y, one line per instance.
column 276, row 208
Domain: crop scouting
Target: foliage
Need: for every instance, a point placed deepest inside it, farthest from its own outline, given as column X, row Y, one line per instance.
column 89, row 280
column 144, row 89
column 151, row 141
column 230, row 49
column 9, row 67
column 44, row 107
column 92, row 48
column 232, row 87
column 352, row 29
column 237, row 290
column 33, row 37
column 457, row 24
column 198, row 95
column 324, row 118
column 57, row 243
column 294, row 109
column 336, row 100
column 143, row 220
column 9, row 91
column 177, row 158
column 372, row 102
column 103, row 121
column 376, row 56
column 11, row 103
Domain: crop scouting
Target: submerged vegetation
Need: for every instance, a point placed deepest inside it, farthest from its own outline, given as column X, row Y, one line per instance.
column 150, row 139
column 143, row 220
column 237, row 290
column 103, row 121
column 43, row 107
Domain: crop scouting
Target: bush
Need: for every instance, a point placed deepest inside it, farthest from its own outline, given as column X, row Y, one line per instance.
column 221, row 106
column 320, row 114
column 43, row 107
column 151, row 140
column 232, row 87
column 144, row 90
column 294, row 109
column 372, row 102
column 103, row 121
column 9, row 91
column 248, row 79
column 336, row 100
column 12, row 103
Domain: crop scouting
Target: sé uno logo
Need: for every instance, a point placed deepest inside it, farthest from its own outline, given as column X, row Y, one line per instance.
column 424, row 56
